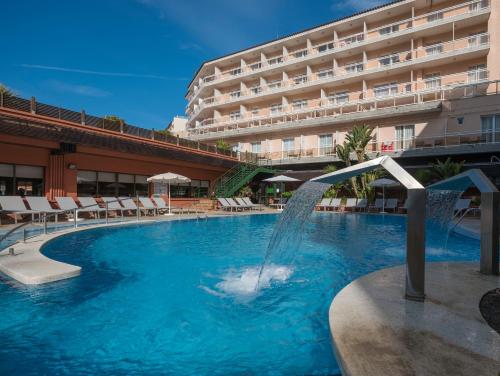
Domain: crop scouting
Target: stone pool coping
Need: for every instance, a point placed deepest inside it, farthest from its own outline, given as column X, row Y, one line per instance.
column 375, row 331
column 30, row 267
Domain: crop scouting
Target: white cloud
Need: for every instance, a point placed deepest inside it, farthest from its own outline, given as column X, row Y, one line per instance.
column 101, row 73
column 88, row 91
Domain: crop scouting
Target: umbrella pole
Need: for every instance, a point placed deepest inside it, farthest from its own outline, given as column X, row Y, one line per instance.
column 169, row 207
column 383, row 199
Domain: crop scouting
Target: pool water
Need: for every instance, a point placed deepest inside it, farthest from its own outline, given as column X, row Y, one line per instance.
column 178, row 297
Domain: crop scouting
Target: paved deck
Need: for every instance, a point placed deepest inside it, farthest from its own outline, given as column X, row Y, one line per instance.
column 377, row 332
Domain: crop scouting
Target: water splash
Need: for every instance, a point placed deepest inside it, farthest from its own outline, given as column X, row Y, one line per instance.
column 287, row 233
column 441, row 206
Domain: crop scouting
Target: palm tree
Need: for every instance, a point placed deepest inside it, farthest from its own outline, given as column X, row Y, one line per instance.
column 5, row 91
column 446, row 169
column 358, row 139
column 344, row 153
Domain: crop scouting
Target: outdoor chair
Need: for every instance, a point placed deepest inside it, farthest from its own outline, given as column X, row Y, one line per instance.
column 324, row 204
column 129, row 204
column 148, row 205
column 351, row 204
column 113, row 204
column 15, row 205
column 391, row 204
column 235, row 204
column 362, row 204
column 377, row 206
column 335, row 204
column 42, row 205
column 226, row 205
column 462, row 205
column 242, row 202
column 249, row 202
column 90, row 205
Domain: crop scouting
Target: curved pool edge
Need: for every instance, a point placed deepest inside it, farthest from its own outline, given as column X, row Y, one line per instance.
column 376, row 331
column 31, row 267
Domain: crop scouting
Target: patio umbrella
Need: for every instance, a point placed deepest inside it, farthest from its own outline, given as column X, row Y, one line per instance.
column 384, row 182
column 281, row 179
column 168, row 178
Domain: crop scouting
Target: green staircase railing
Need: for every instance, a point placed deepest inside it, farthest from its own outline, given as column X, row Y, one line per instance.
column 238, row 176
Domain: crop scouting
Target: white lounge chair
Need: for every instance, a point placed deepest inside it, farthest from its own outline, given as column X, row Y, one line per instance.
column 379, row 203
column 148, row 204
column 69, row 205
column 113, row 204
column 351, row 203
column 129, row 204
column 162, row 205
column 335, row 204
column 224, row 204
column 461, row 205
column 15, row 205
column 391, row 204
column 249, row 202
column 241, row 202
column 324, row 203
column 90, row 205
column 362, row 204
column 42, row 205
column 235, row 204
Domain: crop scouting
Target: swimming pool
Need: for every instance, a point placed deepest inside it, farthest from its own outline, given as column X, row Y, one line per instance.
column 176, row 297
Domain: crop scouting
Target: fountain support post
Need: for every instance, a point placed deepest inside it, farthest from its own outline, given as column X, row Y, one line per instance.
column 490, row 217
column 415, row 245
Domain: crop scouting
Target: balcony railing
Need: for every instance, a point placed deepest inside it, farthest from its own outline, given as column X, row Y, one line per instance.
column 387, row 146
column 383, row 62
column 465, row 84
column 393, row 29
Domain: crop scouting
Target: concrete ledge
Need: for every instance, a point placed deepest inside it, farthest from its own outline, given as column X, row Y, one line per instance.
column 376, row 331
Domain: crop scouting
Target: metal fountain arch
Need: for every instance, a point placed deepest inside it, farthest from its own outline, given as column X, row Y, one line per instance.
column 490, row 213
column 415, row 228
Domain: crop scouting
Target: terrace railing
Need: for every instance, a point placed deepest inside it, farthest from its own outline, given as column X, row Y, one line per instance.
column 31, row 106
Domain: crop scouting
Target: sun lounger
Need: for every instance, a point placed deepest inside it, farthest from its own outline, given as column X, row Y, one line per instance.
column 69, row 205
column 113, row 204
column 281, row 203
column 15, row 205
column 249, row 202
column 362, row 204
column 461, row 205
column 335, row 204
column 233, row 203
column 324, row 203
column 129, row 204
column 241, row 202
column 391, row 204
column 162, row 205
column 42, row 205
column 404, row 208
column 89, row 204
column 148, row 204
column 351, row 203
column 379, row 203
column 225, row 205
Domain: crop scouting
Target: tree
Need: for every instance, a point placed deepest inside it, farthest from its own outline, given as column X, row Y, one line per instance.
column 344, row 153
column 424, row 176
column 223, row 145
column 115, row 119
column 447, row 169
column 358, row 139
column 5, row 91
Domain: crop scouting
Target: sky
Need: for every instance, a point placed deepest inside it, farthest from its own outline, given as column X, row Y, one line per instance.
column 135, row 58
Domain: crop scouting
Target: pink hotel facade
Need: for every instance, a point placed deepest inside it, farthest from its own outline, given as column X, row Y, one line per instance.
column 422, row 73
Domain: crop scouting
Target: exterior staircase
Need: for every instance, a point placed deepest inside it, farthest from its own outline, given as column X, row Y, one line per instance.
column 228, row 184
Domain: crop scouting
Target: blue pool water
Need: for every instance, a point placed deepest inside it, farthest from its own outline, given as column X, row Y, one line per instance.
column 177, row 297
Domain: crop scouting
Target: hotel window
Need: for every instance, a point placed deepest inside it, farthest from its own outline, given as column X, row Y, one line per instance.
column 325, row 144
column 29, row 180
column 256, row 147
column 6, row 180
column 276, row 108
column 386, row 90
column 255, row 111
column 326, row 47
column 354, row 67
column 235, row 94
column 339, row 98
column 490, row 128
column 478, row 5
column 477, row 73
column 478, row 39
column 86, row 183
column 299, row 54
column 275, row 60
column 274, row 84
column 288, row 144
column 432, row 81
column 235, row 115
column 256, row 90
column 125, row 185
column 354, row 39
column 388, row 59
column 300, row 79
column 299, row 104
column 325, row 73
column 435, row 17
column 235, row 72
column 256, row 66
column 404, row 136
column 389, row 30
column 434, row 48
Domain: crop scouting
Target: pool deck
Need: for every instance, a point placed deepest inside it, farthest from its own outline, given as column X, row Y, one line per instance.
column 29, row 266
column 376, row 331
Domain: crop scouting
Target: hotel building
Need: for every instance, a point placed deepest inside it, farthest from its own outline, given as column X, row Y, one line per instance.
column 423, row 74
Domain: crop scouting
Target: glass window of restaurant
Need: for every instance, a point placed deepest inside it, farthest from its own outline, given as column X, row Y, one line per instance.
column 29, row 180
column 92, row 183
column 126, row 185
column 106, row 183
column 194, row 189
column 6, row 179
column 86, row 183
column 141, row 185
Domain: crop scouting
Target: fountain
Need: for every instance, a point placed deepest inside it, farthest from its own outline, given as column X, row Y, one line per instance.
column 288, row 231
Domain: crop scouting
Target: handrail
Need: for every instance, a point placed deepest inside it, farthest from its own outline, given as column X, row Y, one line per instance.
column 67, row 211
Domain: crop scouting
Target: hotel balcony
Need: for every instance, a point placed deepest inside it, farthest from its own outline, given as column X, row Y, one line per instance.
column 432, row 22
column 438, row 145
column 446, row 52
column 384, row 101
